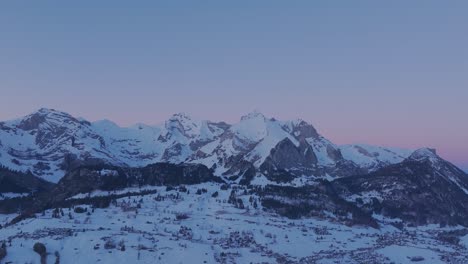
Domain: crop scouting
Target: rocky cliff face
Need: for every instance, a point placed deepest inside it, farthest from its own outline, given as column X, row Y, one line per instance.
column 287, row 158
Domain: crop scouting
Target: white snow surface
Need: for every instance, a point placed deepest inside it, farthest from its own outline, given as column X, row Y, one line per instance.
column 369, row 156
column 152, row 230
column 9, row 195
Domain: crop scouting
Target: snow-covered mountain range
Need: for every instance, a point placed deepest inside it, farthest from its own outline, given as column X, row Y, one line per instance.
column 260, row 191
column 49, row 142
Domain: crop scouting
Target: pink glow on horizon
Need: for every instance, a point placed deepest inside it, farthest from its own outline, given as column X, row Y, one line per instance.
column 386, row 73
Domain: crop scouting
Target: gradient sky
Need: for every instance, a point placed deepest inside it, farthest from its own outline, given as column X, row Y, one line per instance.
column 392, row 73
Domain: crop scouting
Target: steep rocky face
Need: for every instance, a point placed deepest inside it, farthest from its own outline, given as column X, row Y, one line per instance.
column 288, row 161
column 301, row 130
column 50, row 126
column 181, row 125
column 33, row 121
column 422, row 189
column 286, row 155
column 286, row 158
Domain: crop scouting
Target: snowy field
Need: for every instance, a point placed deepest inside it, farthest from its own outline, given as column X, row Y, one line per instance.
column 196, row 226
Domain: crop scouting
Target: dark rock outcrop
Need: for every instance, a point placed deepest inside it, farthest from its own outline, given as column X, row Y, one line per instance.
column 287, row 161
column 286, row 155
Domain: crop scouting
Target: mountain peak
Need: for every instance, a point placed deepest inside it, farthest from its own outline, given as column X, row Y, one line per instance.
column 43, row 115
column 184, row 124
column 45, row 109
column 180, row 116
column 105, row 124
column 49, row 111
column 299, row 122
column 424, row 154
column 253, row 115
column 301, row 129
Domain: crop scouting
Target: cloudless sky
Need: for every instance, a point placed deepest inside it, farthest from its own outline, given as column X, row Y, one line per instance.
column 391, row 73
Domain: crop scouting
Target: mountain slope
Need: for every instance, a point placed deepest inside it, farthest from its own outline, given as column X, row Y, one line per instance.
column 373, row 157
column 46, row 141
column 422, row 189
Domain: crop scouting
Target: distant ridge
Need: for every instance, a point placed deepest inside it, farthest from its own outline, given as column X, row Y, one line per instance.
column 48, row 142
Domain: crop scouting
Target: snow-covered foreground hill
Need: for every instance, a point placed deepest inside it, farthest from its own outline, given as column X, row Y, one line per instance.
column 200, row 224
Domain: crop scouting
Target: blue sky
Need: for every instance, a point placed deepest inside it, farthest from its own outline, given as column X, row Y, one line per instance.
column 378, row 72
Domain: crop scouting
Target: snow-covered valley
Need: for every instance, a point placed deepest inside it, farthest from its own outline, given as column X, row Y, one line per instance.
column 186, row 225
